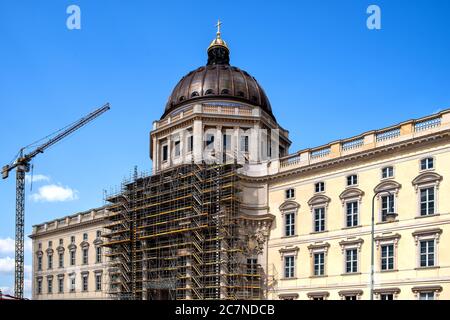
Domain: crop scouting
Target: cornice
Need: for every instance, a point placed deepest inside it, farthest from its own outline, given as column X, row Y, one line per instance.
column 66, row 228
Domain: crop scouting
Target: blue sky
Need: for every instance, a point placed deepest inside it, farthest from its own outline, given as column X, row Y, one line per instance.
column 326, row 74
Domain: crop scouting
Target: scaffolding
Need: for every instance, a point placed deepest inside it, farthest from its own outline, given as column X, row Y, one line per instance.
column 178, row 235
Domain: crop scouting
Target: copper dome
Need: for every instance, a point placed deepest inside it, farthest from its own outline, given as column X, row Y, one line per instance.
column 218, row 81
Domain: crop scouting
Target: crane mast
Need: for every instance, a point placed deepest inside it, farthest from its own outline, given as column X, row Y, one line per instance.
column 22, row 166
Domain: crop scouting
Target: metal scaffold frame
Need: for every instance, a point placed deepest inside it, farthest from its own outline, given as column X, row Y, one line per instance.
column 178, row 235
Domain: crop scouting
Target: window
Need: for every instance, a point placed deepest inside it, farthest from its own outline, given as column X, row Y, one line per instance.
column 39, row 286
column 319, row 264
column 387, row 172
column 61, row 260
column 50, row 261
column 60, row 285
column 387, row 257
column 99, row 233
column 72, row 239
column 289, row 267
column 50, row 243
column 98, row 255
column 427, row 164
column 351, row 297
column 226, row 142
column 40, row 245
column 352, row 214
column 165, row 152
column 177, row 147
column 98, row 282
column 351, row 260
column 352, row 180
column 386, row 296
column 427, row 253
column 39, row 263
column 427, row 201
column 320, row 186
column 72, row 258
column 85, row 236
column 318, row 298
column 387, row 206
column 252, row 266
column 209, row 143
column 290, row 193
column 61, row 242
column 50, row 285
column 85, row 256
column 289, row 224
column 190, row 143
column 244, row 144
column 426, row 296
column 319, row 219
column 85, row 282
column 72, row 284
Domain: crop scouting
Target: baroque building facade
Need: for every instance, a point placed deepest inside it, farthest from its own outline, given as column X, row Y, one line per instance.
column 229, row 213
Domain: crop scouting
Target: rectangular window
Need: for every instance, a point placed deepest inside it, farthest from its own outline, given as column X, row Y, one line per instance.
column 226, row 142
column 427, row 201
column 98, row 282
column 289, row 267
column 252, row 266
column 85, row 236
column 386, row 296
column 60, row 285
column 165, row 152
column 319, row 264
column 50, row 285
column 50, row 243
column 427, row 254
column 351, row 297
column 99, row 233
column 352, row 214
column 190, row 143
column 85, row 256
column 426, row 296
column 290, row 224
column 244, row 144
column 387, row 172
column 177, row 147
column 50, row 261
column 387, row 206
column 387, row 257
column 39, row 263
column 72, row 258
column 72, row 239
column 319, row 219
column 426, row 164
column 61, row 242
column 290, row 193
column 320, row 186
column 85, row 282
column 72, row 284
column 39, row 286
column 352, row 180
column 351, row 260
column 98, row 256
column 61, row 260
column 209, row 143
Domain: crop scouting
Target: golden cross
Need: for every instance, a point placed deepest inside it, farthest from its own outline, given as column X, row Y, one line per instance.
column 218, row 26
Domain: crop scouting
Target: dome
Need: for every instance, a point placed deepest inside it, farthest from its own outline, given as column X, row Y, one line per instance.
column 218, row 81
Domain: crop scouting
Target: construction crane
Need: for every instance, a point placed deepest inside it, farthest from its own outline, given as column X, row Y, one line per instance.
column 22, row 166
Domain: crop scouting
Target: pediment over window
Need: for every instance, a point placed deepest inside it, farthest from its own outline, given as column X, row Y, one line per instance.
column 49, row 251
column 318, row 200
column 84, row 244
column 98, row 242
column 72, row 246
column 289, row 205
column 427, row 177
column 388, row 185
column 39, row 253
column 60, row 249
column 351, row 193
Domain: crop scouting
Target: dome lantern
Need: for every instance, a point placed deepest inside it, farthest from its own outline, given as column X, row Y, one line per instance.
column 218, row 51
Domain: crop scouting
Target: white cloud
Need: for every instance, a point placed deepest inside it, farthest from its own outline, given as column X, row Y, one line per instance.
column 6, row 265
column 54, row 193
column 36, row 178
column 7, row 245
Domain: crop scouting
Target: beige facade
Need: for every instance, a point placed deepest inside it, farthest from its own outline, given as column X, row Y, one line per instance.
column 327, row 252
column 68, row 257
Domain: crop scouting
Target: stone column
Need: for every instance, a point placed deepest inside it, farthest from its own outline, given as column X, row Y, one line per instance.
column 197, row 149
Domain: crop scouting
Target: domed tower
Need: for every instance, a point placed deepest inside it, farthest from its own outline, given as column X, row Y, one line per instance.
column 217, row 113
